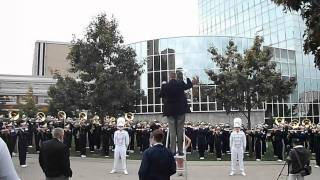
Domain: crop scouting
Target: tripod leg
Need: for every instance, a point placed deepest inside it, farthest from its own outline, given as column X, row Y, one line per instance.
column 282, row 170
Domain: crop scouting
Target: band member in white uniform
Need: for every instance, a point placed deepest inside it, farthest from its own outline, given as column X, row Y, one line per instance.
column 121, row 141
column 238, row 146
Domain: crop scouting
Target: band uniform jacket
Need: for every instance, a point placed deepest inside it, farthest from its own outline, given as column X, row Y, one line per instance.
column 174, row 98
column 54, row 159
column 157, row 164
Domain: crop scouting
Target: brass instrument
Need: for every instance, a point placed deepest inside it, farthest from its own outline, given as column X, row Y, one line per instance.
column 41, row 117
column 95, row 120
column 279, row 121
column 306, row 123
column 82, row 118
column 294, row 123
column 62, row 115
column 14, row 115
column 129, row 116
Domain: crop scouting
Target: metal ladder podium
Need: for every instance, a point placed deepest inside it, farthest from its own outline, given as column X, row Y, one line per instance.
column 181, row 171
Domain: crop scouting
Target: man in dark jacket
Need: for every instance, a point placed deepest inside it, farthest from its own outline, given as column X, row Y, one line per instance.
column 54, row 157
column 175, row 108
column 157, row 162
column 303, row 154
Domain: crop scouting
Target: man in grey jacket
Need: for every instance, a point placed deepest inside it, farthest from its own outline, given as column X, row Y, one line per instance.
column 303, row 154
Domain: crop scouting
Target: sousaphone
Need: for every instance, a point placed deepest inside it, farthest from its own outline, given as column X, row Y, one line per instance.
column 306, row 123
column 14, row 115
column 279, row 121
column 41, row 117
column 295, row 123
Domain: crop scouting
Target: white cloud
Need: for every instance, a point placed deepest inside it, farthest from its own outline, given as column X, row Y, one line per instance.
column 23, row 22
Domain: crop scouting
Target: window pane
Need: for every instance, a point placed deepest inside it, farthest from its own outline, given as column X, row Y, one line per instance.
column 150, row 79
column 157, row 82
column 164, row 63
column 150, row 63
column 156, row 63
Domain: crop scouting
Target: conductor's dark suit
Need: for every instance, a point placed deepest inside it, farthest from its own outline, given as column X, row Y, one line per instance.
column 175, row 108
column 54, row 159
column 157, row 164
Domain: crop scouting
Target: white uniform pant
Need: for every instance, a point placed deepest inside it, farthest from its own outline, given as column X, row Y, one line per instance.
column 120, row 156
column 237, row 158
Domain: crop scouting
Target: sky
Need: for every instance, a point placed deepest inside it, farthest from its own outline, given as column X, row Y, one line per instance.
column 23, row 22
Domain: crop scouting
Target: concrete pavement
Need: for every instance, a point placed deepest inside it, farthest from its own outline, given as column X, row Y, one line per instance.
column 98, row 169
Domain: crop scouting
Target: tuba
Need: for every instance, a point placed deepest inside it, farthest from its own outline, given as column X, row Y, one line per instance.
column 41, row 117
column 294, row 123
column 83, row 117
column 129, row 116
column 95, row 120
column 306, row 123
column 14, row 115
column 279, row 121
column 62, row 115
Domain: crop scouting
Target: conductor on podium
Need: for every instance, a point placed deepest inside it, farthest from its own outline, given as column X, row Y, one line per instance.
column 175, row 108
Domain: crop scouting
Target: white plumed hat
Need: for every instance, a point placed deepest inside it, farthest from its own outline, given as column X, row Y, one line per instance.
column 237, row 122
column 121, row 121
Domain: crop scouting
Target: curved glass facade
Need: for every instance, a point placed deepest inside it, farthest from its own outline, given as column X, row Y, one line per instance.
column 161, row 56
column 282, row 31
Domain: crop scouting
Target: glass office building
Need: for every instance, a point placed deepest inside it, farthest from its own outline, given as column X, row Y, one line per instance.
column 283, row 32
column 162, row 56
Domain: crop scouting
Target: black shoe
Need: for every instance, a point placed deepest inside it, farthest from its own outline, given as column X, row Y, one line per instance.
column 181, row 154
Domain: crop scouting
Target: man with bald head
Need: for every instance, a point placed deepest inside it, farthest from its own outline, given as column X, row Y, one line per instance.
column 54, row 157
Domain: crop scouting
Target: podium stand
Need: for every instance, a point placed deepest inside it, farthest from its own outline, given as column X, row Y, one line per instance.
column 181, row 161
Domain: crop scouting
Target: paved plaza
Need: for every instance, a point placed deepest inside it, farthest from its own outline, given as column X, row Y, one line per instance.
column 98, row 169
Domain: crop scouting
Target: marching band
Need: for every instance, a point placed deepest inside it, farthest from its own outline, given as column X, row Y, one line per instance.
column 205, row 137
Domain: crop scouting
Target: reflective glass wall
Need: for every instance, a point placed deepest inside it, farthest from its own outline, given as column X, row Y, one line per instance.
column 162, row 56
column 283, row 32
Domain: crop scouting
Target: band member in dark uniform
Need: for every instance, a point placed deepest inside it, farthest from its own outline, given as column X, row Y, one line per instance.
column 83, row 130
column 264, row 140
column 258, row 138
column 188, row 133
column 132, row 131
column 139, row 136
column 225, row 140
column 278, row 136
column 202, row 142
column 22, row 143
column 106, row 132
column 31, row 130
column 317, row 145
column 210, row 139
column 194, row 138
column 91, row 136
column 12, row 139
column 67, row 139
column 218, row 142
column 145, row 137
column 37, row 136
column 97, row 135
column 76, row 137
